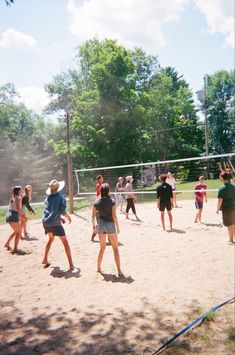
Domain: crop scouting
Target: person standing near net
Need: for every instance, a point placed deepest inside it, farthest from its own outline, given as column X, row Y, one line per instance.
column 118, row 193
column 13, row 217
column 200, row 196
column 165, row 200
column 171, row 181
column 130, row 197
column 99, row 182
column 107, row 225
column 226, row 203
column 26, row 204
column 55, row 207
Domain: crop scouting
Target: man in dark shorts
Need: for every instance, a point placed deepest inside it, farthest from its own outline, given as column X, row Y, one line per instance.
column 165, row 200
column 226, row 203
column 55, row 208
column 200, row 196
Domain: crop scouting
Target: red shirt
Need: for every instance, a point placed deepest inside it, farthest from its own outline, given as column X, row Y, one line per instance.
column 199, row 195
column 98, row 187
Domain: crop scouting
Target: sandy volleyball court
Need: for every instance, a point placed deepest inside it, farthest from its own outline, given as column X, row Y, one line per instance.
column 171, row 278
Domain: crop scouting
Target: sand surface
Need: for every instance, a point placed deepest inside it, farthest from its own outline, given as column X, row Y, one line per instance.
column 170, row 279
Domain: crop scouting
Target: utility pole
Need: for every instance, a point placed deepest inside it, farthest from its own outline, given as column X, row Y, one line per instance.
column 206, row 124
column 202, row 97
column 70, row 164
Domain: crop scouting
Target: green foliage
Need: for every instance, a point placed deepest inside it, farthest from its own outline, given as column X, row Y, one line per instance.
column 26, row 157
column 119, row 99
column 220, row 100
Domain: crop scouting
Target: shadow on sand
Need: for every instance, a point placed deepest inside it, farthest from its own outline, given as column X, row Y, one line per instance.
column 98, row 332
column 57, row 272
column 114, row 278
column 178, row 231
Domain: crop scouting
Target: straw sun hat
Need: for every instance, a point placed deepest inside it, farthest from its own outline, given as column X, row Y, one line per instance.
column 55, row 186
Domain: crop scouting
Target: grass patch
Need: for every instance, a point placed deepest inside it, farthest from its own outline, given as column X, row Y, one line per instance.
column 38, row 209
column 210, row 317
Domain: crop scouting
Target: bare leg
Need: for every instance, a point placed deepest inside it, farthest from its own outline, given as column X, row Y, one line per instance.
column 230, row 230
column 16, row 226
column 163, row 219
column 16, row 242
column 114, row 242
column 48, row 246
column 7, row 244
column 200, row 214
column 170, row 218
column 197, row 216
column 67, row 249
column 102, row 238
column 174, row 199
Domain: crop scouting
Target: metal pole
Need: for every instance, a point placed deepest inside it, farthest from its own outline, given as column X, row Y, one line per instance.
column 70, row 165
column 206, row 125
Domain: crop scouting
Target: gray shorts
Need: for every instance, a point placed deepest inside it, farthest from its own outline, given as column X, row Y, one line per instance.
column 105, row 227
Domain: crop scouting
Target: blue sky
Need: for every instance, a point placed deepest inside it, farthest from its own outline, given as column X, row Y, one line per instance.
column 38, row 38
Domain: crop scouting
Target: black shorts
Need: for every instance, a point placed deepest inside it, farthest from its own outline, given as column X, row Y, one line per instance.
column 228, row 217
column 165, row 204
column 55, row 230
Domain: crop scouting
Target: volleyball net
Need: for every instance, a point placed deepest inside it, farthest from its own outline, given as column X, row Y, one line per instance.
column 186, row 173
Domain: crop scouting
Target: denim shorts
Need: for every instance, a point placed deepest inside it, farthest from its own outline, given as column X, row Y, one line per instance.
column 12, row 216
column 105, row 227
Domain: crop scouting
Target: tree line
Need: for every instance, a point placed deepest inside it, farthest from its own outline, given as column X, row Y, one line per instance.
column 125, row 108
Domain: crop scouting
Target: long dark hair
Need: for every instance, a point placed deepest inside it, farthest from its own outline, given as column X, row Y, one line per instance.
column 104, row 190
column 15, row 192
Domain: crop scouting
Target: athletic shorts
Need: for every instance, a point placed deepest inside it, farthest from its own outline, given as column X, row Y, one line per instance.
column 228, row 217
column 198, row 205
column 165, row 204
column 119, row 199
column 55, row 230
column 12, row 216
column 105, row 227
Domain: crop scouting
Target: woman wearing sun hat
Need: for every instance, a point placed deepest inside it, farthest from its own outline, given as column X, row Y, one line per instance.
column 55, row 207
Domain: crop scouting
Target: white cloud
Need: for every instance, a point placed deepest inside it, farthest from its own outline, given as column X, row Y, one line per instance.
column 33, row 97
column 220, row 17
column 131, row 22
column 13, row 38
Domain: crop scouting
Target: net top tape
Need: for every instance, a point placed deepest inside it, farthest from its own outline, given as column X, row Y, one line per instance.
column 157, row 162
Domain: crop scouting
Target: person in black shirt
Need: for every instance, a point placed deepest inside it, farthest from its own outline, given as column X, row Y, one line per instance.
column 26, row 204
column 107, row 225
column 165, row 200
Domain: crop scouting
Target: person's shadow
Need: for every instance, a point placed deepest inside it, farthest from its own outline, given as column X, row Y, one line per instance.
column 20, row 252
column 57, row 272
column 28, row 239
column 114, row 278
column 212, row 224
column 178, row 231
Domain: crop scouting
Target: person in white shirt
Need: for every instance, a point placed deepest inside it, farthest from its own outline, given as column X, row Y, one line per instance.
column 171, row 181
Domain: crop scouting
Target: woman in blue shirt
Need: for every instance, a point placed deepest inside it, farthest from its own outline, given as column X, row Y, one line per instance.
column 55, row 206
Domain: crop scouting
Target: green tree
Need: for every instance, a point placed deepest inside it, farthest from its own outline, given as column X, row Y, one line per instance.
column 26, row 157
column 219, row 103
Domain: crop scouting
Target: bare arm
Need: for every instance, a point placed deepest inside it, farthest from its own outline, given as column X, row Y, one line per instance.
column 67, row 215
column 93, row 216
column 19, row 205
column 219, row 204
column 114, row 215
